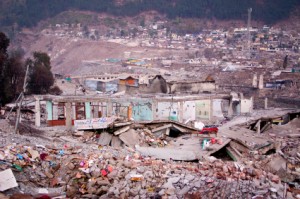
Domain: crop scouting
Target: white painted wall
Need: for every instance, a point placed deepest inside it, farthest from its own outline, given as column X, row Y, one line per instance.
column 164, row 110
column 189, row 110
column 217, row 108
column 246, row 105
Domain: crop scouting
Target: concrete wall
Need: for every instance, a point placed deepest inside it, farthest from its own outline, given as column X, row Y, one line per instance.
column 246, row 105
column 108, row 86
column 217, row 108
column 145, row 109
column 203, row 109
column 166, row 110
column 187, row 87
column 189, row 110
column 141, row 108
column 156, row 85
column 91, row 84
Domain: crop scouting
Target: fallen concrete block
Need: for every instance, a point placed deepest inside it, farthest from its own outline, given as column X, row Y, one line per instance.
column 116, row 142
column 122, row 124
column 122, row 130
column 7, row 180
column 162, row 128
column 105, row 139
column 130, row 138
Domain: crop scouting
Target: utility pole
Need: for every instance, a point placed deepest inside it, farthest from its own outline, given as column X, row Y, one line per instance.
column 248, row 33
column 21, row 98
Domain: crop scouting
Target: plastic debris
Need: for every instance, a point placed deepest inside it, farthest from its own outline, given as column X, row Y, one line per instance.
column 136, row 177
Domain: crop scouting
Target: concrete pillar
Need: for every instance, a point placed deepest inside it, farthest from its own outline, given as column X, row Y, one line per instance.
column 258, row 127
column 266, row 103
column 129, row 112
column 180, row 119
column 73, row 110
column 230, row 109
column 211, row 110
column 37, row 113
column 68, row 106
column 109, row 108
column 254, row 81
column 241, row 96
column 104, row 109
column 261, row 82
column 87, row 110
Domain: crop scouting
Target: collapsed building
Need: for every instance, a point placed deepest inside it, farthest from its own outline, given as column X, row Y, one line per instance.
column 136, row 132
column 63, row 110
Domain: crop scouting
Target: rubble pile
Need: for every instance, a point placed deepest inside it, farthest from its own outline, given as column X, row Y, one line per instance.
column 128, row 137
column 95, row 171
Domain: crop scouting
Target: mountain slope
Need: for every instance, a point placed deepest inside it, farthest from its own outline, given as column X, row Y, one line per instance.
column 27, row 13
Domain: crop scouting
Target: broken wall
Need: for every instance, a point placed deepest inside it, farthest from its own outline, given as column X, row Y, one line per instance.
column 194, row 87
column 246, row 106
column 157, row 85
column 203, row 109
column 141, row 108
column 217, row 108
column 91, row 84
column 189, row 111
column 167, row 110
column 108, row 86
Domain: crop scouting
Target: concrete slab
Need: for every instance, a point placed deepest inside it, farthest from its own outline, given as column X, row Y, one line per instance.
column 122, row 130
column 105, row 139
column 120, row 124
column 246, row 137
column 130, row 138
column 185, row 148
column 161, row 128
column 167, row 153
column 116, row 142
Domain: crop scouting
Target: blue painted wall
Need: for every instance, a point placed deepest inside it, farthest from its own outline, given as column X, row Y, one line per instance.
column 49, row 110
column 141, row 108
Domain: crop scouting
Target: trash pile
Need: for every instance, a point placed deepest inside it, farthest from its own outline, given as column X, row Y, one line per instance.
column 60, row 171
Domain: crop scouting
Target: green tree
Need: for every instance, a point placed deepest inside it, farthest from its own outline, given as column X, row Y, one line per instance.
column 12, row 71
column 14, row 75
column 41, row 77
column 4, row 43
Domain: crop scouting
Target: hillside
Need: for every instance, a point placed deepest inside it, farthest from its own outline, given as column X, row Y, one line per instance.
column 27, row 13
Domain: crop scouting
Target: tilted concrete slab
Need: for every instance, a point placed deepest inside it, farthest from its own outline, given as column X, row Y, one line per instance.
column 122, row 130
column 116, row 142
column 185, row 148
column 246, row 137
column 161, row 128
column 105, row 139
column 130, row 138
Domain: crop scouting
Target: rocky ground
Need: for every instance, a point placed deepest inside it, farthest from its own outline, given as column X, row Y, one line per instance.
column 58, row 169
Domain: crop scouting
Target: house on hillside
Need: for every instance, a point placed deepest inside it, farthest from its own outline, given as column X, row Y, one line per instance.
column 108, row 86
column 128, row 84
